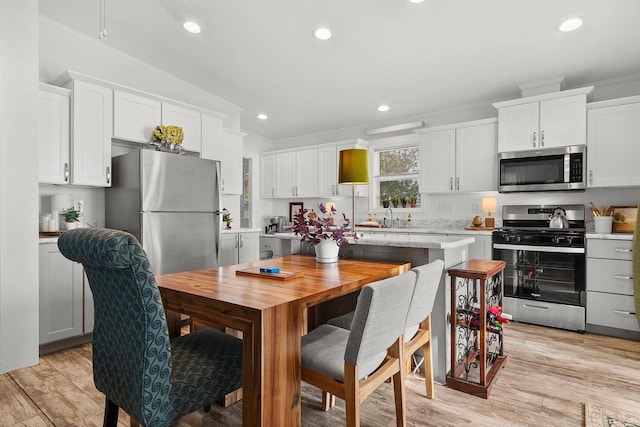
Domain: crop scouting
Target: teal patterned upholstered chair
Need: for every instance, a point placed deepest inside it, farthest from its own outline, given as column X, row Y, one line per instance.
column 135, row 365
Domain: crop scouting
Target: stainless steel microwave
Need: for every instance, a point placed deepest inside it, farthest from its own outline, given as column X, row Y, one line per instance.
column 551, row 169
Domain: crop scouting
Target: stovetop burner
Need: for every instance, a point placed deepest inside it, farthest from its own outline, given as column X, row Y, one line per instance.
column 529, row 225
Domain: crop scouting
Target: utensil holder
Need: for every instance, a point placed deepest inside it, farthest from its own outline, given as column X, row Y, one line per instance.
column 603, row 224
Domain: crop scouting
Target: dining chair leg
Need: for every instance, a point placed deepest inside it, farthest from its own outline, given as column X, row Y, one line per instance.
column 110, row 413
column 399, row 392
column 133, row 422
column 428, row 364
column 352, row 395
column 328, row 400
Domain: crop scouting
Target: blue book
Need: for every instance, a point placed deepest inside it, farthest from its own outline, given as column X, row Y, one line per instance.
column 269, row 270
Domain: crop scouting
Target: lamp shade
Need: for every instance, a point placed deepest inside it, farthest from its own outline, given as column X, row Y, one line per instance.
column 353, row 167
column 489, row 204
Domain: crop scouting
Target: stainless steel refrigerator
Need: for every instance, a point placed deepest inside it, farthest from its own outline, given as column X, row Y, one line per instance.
column 171, row 203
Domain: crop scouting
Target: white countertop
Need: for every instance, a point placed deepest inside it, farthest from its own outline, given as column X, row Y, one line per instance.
column 610, row 236
column 241, row 230
column 407, row 240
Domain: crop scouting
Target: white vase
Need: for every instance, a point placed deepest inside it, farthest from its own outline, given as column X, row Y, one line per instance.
column 70, row 225
column 327, row 251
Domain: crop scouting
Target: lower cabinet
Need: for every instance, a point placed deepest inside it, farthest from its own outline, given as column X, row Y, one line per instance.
column 480, row 249
column 64, row 294
column 610, row 302
column 279, row 247
column 238, row 248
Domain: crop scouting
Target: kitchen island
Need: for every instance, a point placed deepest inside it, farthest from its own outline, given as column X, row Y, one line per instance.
column 418, row 249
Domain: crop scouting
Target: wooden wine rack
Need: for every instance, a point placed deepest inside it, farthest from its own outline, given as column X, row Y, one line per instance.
column 477, row 350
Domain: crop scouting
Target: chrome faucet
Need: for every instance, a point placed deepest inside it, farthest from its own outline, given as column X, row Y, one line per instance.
column 385, row 217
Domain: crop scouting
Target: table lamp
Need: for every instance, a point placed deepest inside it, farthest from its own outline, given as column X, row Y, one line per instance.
column 353, row 169
column 489, row 204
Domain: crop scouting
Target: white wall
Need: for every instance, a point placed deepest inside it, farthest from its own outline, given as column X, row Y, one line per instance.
column 18, row 184
column 262, row 209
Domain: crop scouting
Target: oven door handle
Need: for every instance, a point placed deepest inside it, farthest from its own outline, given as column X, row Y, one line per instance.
column 561, row 250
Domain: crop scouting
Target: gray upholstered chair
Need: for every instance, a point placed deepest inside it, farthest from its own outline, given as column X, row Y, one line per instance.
column 351, row 364
column 152, row 379
column 417, row 332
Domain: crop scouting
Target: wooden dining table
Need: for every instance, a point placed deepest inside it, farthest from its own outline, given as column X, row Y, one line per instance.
column 271, row 314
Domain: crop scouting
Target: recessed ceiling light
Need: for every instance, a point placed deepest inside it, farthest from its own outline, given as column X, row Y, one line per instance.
column 191, row 26
column 322, row 33
column 263, row 116
column 383, row 108
column 570, row 25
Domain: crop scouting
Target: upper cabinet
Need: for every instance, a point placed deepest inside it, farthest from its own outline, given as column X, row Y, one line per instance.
column 224, row 145
column 305, row 172
column 544, row 121
column 460, row 157
column 92, row 126
column 613, row 147
column 189, row 120
column 135, row 116
column 53, row 135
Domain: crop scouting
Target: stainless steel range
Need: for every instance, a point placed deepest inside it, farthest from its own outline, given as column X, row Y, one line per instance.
column 544, row 279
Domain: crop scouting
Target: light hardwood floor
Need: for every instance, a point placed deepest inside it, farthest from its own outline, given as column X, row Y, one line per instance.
column 549, row 376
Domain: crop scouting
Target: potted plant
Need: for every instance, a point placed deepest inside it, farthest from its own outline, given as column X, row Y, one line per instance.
column 169, row 138
column 226, row 217
column 403, row 201
column 320, row 233
column 385, row 200
column 413, row 200
column 395, row 200
column 71, row 218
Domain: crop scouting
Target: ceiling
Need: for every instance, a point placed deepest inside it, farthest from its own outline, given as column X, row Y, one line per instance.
column 417, row 58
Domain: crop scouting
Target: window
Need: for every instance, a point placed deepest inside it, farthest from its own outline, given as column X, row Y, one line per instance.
column 397, row 173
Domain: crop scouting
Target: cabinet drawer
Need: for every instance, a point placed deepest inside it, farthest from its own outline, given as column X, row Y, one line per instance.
column 613, row 249
column 610, row 275
column 614, row 311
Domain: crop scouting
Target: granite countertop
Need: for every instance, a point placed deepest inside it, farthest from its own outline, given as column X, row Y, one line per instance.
column 407, row 240
column 241, row 230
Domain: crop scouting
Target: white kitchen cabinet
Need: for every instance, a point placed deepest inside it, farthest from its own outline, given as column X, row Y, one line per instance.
column 231, row 162
column 189, row 120
column 297, row 174
column 545, row 121
column 239, row 248
column 224, row 145
column 613, row 149
column 135, row 116
column 610, row 301
column 61, row 295
column 54, row 135
column 268, row 176
column 328, row 172
column 92, row 126
column 460, row 157
column 480, row 249
column 279, row 247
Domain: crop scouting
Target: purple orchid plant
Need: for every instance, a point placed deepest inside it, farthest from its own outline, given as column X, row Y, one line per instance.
column 314, row 228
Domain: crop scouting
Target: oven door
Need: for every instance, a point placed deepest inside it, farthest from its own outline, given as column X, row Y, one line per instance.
column 543, row 273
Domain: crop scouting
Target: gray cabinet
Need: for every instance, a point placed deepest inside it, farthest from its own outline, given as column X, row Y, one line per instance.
column 61, row 295
column 610, row 302
column 238, row 248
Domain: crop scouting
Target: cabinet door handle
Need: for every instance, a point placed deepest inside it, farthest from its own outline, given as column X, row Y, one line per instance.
column 273, row 193
column 108, row 175
column 591, row 176
column 451, row 183
column 235, row 240
column 625, row 250
column 535, row 135
column 222, row 182
column 66, row 172
column 457, row 183
column 621, row 277
column 623, row 312
column 241, row 241
column 541, row 138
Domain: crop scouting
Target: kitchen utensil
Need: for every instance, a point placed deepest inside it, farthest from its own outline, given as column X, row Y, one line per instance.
column 593, row 209
column 558, row 219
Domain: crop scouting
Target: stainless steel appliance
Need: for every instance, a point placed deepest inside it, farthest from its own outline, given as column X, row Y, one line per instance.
column 551, row 169
column 171, row 203
column 544, row 279
column 278, row 221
